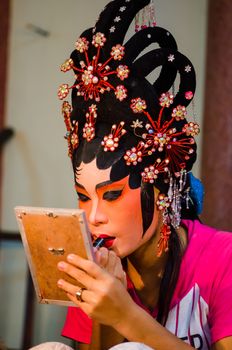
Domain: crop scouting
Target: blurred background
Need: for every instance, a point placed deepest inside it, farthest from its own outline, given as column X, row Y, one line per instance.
column 36, row 37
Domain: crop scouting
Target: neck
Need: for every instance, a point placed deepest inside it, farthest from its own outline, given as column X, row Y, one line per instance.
column 145, row 270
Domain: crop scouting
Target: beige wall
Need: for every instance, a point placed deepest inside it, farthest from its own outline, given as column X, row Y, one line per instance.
column 37, row 170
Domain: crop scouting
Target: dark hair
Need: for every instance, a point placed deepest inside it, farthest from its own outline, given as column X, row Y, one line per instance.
column 172, row 268
column 170, row 277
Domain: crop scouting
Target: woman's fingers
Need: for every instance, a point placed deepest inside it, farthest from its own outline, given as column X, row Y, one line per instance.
column 85, row 300
column 88, row 266
column 69, row 289
column 72, row 291
column 120, row 274
column 111, row 263
column 88, row 273
column 76, row 270
column 102, row 256
column 103, row 296
column 115, row 268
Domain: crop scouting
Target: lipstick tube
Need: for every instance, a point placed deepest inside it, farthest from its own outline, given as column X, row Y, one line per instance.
column 99, row 242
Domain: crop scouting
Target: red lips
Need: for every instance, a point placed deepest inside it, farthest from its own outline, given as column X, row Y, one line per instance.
column 107, row 241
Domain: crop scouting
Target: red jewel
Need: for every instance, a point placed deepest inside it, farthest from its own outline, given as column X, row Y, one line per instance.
column 162, row 202
column 89, row 128
column 191, row 129
column 136, row 154
column 189, row 95
column 72, row 129
column 166, row 99
column 82, row 44
column 67, row 65
column 110, row 142
column 122, row 72
column 121, row 92
column 179, row 113
column 99, row 40
column 63, row 91
column 138, row 105
column 165, row 233
column 117, row 52
column 151, row 173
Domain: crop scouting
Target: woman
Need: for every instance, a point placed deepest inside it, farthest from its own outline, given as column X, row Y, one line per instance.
column 162, row 278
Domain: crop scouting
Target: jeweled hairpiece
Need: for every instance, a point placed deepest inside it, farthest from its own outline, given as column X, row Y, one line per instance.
column 89, row 128
column 92, row 76
column 136, row 127
column 110, row 142
column 72, row 128
column 161, row 136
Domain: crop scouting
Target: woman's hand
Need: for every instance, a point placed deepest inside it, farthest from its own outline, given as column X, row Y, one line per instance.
column 107, row 301
column 108, row 260
column 105, row 298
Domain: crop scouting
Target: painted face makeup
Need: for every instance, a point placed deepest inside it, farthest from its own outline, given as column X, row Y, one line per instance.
column 113, row 210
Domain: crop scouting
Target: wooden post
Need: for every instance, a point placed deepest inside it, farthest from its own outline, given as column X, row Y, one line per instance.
column 217, row 129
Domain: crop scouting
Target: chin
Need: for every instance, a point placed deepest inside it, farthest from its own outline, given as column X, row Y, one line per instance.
column 123, row 253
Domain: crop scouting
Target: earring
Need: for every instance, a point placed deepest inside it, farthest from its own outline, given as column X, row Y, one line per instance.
column 163, row 204
column 162, row 245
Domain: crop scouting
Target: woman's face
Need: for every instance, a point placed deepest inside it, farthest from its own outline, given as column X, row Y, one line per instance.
column 112, row 209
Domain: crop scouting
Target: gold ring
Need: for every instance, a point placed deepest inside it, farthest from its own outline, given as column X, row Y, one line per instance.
column 79, row 294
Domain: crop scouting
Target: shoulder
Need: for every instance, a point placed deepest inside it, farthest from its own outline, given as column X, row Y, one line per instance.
column 206, row 238
column 207, row 264
column 208, row 257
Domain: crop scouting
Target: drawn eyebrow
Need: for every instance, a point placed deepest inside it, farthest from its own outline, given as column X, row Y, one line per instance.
column 79, row 185
column 103, row 184
column 100, row 185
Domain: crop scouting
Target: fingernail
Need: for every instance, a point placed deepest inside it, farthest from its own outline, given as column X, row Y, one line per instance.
column 60, row 283
column 70, row 257
column 61, row 265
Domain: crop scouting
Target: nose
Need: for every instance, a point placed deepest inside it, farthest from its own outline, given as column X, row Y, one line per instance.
column 97, row 216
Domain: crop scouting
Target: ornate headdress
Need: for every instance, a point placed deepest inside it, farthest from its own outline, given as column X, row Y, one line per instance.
column 139, row 128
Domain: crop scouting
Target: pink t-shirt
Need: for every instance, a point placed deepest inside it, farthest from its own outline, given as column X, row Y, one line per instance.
column 201, row 307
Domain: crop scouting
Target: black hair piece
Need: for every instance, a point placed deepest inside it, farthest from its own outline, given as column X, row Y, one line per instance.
column 147, row 204
column 170, row 277
column 172, row 268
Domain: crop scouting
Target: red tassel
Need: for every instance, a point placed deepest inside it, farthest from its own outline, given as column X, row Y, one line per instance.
column 163, row 241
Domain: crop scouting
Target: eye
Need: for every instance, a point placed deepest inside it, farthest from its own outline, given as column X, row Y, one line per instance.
column 82, row 197
column 112, row 195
